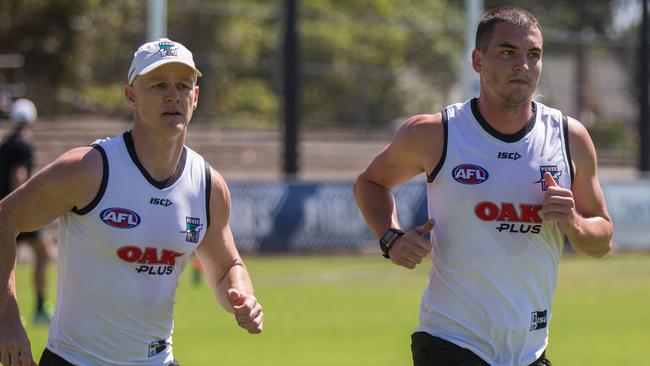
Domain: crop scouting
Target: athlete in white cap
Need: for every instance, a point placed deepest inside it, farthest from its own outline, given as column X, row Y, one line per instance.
column 508, row 179
column 133, row 209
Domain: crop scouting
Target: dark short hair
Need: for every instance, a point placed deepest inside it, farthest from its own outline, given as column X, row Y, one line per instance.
column 505, row 14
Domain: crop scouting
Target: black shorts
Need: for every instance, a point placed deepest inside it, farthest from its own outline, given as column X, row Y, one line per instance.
column 28, row 235
column 50, row 358
column 433, row 351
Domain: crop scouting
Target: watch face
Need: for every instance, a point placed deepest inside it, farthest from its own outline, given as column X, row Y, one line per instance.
column 390, row 237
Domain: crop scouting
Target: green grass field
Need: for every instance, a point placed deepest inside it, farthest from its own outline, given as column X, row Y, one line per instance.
column 338, row 311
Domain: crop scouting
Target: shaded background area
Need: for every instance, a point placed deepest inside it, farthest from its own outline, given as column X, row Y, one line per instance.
column 365, row 65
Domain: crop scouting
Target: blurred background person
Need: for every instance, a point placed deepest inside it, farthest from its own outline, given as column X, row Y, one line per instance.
column 5, row 98
column 16, row 164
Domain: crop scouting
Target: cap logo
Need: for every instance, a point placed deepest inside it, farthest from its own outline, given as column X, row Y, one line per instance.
column 156, row 53
column 167, row 49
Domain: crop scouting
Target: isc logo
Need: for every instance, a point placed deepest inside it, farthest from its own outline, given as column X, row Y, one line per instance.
column 121, row 218
column 160, row 201
column 507, row 155
column 469, row 174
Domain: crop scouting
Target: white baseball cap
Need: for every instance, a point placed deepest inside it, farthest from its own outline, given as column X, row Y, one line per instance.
column 23, row 112
column 157, row 53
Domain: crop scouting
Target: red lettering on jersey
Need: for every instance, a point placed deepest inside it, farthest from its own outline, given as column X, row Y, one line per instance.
column 129, row 253
column 148, row 255
column 486, row 211
column 169, row 257
column 508, row 213
column 530, row 213
column 489, row 211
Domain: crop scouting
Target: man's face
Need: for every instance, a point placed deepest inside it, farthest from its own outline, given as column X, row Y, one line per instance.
column 511, row 64
column 165, row 97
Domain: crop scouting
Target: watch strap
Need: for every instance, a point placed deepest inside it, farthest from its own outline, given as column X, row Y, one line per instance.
column 388, row 239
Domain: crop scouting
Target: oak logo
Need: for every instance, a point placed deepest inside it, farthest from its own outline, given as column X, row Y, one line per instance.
column 523, row 219
column 153, row 261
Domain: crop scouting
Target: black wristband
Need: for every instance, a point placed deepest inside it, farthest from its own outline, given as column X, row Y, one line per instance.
column 388, row 239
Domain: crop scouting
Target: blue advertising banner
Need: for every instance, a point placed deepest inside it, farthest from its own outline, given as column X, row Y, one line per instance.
column 628, row 203
column 304, row 217
column 271, row 217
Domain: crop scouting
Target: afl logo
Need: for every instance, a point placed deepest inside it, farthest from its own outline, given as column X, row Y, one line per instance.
column 121, row 218
column 470, row 174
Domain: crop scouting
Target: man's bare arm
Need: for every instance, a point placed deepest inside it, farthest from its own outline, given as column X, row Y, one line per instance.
column 71, row 181
column 581, row 212
column 224, row 268
column 416, row 148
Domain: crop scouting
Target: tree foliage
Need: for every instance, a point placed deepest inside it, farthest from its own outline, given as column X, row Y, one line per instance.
column 364, row 62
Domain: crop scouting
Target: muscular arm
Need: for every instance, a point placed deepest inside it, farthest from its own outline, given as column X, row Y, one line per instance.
column 70, row 181
column 581, row 213
column 224, row 268
column 415, row 148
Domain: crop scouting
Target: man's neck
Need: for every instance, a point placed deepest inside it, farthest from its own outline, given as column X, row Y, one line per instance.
column 505, row 119
column 159, row 156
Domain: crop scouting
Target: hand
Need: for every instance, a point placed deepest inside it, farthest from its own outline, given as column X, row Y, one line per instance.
column 248, row 311
column 409, row 250
column 558, row 203
column 15, row 349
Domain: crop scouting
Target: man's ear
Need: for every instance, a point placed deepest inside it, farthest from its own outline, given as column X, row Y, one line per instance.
column 129, row 96
column 477, row 62
column 197, row 91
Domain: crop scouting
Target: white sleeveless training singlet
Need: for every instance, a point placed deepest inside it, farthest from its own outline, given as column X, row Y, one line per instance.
column 495, row 259
column 121, row 256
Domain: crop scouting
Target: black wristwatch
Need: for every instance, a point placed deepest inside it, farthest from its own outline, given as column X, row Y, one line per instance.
column 388, row 239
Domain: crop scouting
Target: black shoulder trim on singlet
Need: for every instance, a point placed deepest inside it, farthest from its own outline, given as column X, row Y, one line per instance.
column 102, row 187
column 128, row 141
column 565, row 127
column 436, row 170
column 208, row 190
column 503, row 136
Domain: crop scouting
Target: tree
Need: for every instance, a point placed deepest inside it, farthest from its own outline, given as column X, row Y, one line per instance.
column 46, row 34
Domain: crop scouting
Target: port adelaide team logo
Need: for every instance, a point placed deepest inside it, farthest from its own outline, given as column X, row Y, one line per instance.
column 555, row 172
column 192, row 230
column 470, row 174
column 121, row 218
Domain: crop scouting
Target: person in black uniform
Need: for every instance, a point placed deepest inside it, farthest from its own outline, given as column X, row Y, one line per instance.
column 16, row 164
